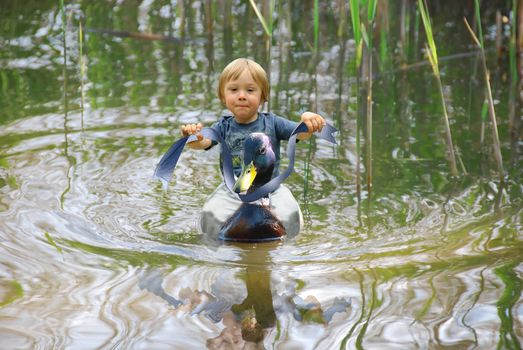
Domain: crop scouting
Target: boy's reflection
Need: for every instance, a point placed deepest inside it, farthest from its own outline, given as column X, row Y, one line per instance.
column 247, row 322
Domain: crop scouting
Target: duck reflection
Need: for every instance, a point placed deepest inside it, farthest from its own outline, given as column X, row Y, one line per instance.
column 247, row 321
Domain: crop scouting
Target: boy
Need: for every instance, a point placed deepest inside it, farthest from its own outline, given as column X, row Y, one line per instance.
column 243, row 87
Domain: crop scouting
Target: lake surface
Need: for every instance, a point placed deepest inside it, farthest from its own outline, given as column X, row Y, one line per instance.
column 94, row 254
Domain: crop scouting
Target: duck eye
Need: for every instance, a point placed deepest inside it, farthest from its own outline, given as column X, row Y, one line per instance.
column 263, row 150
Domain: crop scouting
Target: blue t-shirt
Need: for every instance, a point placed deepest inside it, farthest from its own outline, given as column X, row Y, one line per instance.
column 234, row 134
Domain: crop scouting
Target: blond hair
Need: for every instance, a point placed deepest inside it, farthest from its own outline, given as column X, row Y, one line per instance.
column 234, row 69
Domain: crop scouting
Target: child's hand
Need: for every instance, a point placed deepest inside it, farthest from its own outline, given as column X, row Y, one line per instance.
column 314, row 122
column 194, row 129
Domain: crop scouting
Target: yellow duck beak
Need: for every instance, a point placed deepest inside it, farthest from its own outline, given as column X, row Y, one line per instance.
column 246, row 178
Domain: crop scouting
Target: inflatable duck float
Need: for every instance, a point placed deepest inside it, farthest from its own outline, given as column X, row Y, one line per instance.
column 256, row 207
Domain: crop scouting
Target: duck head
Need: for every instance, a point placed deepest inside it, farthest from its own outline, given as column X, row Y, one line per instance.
column 258, row 163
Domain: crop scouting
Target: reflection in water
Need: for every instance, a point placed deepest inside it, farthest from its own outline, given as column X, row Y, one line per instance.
column 247, row 318
column 508, row 337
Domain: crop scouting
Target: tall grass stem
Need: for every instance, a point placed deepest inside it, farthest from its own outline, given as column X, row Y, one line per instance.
column 356, row 29
column 266, row 28
column 371, row 14
column 432, row 56
column 492, row 113
column 82, row 71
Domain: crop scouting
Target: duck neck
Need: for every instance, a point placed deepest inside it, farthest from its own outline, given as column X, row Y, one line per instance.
column 261, row 179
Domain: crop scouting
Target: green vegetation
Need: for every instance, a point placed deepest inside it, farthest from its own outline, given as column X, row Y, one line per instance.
column 432, row 56
column 52, row 242
column 492, row 113
column 12, row 290
column 267, row 24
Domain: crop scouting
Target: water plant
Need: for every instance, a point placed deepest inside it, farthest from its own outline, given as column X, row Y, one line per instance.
column 491, row 110
column 227, row 29
column 52, row 242
column 267, row 24
column 64, row 42
column 515, row 80
column 355, row 19
column 66, row 104
column 371, row 14
column 506, row 305
column 342, row 77
column 382, row 24
column 356, row 29
column 314, row 86
column 432, row 56
column 316, row 22
column 82, row 71
column 404, row 40
column 360, row 36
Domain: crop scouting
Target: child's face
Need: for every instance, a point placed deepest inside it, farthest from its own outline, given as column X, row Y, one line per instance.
column 243, row 97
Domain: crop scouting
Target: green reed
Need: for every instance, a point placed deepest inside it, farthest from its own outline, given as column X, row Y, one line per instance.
column 52, row 242
column 316, row 34
column 513, row 46
column 383, row 25
column 65, row 21
column 361, row 36
column 82, row 71
column 64, row 42
column 507, row 305
column 417, row 25
column 356, row 29
column 341, row 35
column 514, row 79
column 404, row 30
column 362, row 313
column 267, row 25
column 491, row 110
column 374, row 302
column 432, row 56
column 368, row 38
column 227, row 30
column 266, row 22
column 341, row 25
column 316, row 21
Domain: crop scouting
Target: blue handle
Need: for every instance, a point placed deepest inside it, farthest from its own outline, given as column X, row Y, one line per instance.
column 165, row 167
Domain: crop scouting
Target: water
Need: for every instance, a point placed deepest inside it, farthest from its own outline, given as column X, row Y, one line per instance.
column 95, row 254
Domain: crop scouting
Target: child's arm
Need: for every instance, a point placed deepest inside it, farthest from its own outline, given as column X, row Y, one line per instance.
column 314, row 122
column 194, row 129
